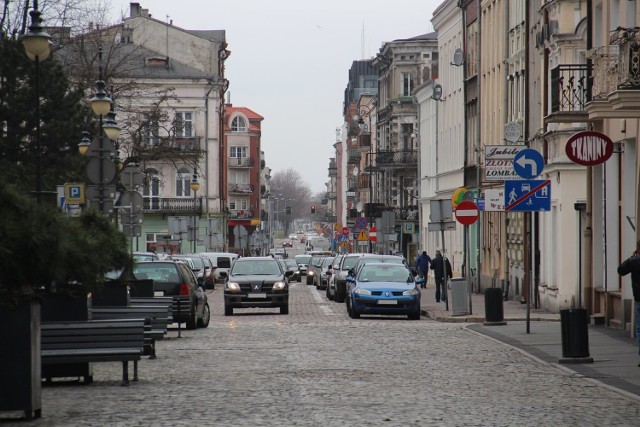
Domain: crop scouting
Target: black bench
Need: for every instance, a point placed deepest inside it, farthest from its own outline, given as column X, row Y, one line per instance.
column 156, row 319
column 72, row 342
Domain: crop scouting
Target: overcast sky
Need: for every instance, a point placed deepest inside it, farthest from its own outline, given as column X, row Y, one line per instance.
column 290, row 61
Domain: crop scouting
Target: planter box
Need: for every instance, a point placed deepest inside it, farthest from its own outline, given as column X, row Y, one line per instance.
column 20, row 359
column 111, row 294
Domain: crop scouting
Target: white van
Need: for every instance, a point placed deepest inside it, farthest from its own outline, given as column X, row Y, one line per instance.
column 222, row 261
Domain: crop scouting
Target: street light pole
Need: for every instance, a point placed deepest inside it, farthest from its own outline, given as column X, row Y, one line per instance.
column 195, row 186
column 37, row 48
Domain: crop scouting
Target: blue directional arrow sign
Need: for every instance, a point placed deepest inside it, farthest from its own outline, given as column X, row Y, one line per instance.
column 527, row 196
column 528, row 163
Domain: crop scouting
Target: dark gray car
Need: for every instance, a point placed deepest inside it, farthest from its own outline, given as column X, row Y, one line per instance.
column 256, row 282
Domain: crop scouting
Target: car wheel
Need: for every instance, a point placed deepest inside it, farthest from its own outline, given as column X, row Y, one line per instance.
column 228, row 311
column 192, row 322
column 284, row 309
column 349, row 311
column 203, row 322
column 309, row 280
column 354, row 313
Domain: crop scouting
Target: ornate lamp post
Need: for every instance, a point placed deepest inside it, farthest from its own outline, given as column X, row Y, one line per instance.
column 37, row 47
column 195, row 186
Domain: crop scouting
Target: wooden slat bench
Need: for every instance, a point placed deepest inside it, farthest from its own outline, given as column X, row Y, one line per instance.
column 157, row 319
column 71, row 342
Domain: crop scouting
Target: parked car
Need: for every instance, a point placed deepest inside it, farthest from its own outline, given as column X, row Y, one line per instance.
column 222, row 262
column 176, row 279
column 331, row 280
column 145, row 256
column 326, row 271
column 303, row 264
column 340, row 275
column 291, row 265
column 287, row 244
column 313, row 272
column 197, row 265
column 256, row 282
column 369, row 258
column 383, row 288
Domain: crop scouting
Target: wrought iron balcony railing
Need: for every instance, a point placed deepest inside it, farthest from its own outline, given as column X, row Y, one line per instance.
column 333, row 171
column 353, row 155
column 570, row 88
column 241, row 188
column 172, row 205
column 410, row 213
column 240, row 162
column 331, row 195
column 397, row 158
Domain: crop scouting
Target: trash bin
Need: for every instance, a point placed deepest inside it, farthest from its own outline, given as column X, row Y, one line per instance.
column 575, row 333
column 459, row 296
column 493, row 308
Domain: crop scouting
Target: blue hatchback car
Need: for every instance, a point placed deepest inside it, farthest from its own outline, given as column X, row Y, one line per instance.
column 383, row 288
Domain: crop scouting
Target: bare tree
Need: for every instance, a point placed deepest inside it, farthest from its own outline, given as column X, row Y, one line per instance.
column 290, row 185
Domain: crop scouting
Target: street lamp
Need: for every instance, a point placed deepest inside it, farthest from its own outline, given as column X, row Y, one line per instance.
column 195, row 186
column 365, row 112
column 37, row 47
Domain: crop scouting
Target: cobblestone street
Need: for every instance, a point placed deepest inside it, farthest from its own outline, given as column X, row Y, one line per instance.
column 316, row 366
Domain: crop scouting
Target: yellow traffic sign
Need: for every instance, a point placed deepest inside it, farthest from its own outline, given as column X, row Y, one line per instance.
column 74, row 193
column 337, row 227
column 362, row 236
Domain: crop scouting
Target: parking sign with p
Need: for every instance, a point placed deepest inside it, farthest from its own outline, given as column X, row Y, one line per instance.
column 74, row 193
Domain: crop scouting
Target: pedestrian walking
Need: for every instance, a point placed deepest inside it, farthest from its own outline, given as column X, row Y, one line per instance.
column 441, row 270
column 632, row 265
column 422, row 266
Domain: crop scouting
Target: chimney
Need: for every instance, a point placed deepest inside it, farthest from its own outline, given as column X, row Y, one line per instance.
column 134, row 10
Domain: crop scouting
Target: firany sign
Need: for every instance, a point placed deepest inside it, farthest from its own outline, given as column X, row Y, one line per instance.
column 498, row 162
column 589, row 148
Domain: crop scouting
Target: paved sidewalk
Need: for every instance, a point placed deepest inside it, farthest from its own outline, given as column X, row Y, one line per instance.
column 614, row 352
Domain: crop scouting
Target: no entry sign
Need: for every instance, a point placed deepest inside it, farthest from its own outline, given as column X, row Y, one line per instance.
column 467, row 212
column 372, row 234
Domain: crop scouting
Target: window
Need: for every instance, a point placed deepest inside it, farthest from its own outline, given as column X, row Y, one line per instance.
column 407, row 84
column 238, row 124
column 151, row 190
column 238, row 204
column 183, row 183
column 184, row 125
column 150, row 132
column 238, row 152
column 238, row 177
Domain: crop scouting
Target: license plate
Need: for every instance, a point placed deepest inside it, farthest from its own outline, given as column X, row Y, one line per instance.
column 158, row 293
column 387, row 302
column 257, row 296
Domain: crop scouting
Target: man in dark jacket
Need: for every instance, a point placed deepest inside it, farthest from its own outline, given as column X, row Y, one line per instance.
column 441, row 269
column 422, row 265
column 632, row 265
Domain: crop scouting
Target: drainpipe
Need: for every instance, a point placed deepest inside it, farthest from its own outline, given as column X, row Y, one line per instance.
column 505, row 297
column 206, row 146
column 479, row 145
column 588, row 248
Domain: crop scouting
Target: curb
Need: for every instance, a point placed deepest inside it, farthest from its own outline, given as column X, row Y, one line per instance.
column 445, row 318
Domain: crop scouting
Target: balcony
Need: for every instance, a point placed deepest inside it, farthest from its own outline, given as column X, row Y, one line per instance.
column 616, row 77
column 172, row 205
column 240, row 162
column 240, row 188
column 240, row 214
column 397, row 158
column 331, row 195
column 333, row 171
column 353, row 156
column 363, row 182
column 169, row 147
column 364, row 140
column 187, row 144
column 570, row 92
column 410, row 213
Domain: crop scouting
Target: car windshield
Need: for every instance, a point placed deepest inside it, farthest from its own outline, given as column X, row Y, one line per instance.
column 256, row 267
column 158, row 272
column 303, row 259
column 349, row 262
column 327, row 261
column 385, row 273
column 291, row 263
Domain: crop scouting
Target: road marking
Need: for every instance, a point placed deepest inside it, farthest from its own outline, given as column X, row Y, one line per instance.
column 326, row 309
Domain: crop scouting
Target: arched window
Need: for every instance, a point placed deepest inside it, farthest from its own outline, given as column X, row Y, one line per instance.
column 238, row 124
column 183, row 183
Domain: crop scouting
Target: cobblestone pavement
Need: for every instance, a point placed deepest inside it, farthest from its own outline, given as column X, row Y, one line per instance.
column 316, row 366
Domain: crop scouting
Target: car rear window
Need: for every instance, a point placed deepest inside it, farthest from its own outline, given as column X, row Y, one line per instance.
column 349, row 262
column 157, row 273
column 303, row 259
column 256, row 267
column 385, row 273
column 224, row 262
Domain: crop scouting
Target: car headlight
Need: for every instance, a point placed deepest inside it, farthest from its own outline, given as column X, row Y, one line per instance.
column 233, row 287
column 311, row 273
column 361, row 291
column 413, row 291
column 278, row 286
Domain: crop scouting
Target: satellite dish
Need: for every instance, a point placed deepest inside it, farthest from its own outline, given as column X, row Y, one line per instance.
column 355, row 171
column 437, row 92
column 458, row 57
